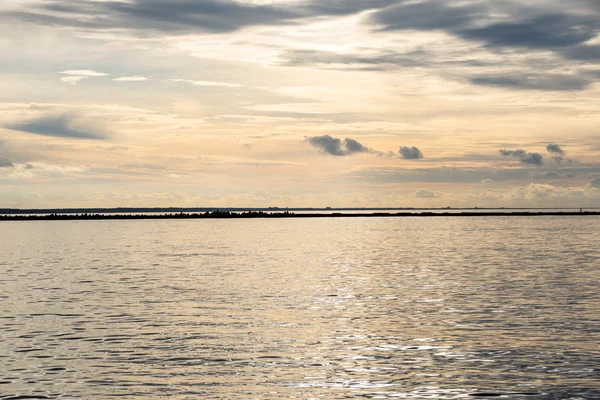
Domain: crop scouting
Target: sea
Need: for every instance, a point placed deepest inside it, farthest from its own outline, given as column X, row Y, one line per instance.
column 327, row 308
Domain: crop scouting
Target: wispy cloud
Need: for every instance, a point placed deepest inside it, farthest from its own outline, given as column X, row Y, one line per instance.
column 131, row 79
column 83, row 72
column 207, row 83
column 426, row 194
column 77, row 75
column 182, row 16
column 73, row 80
column 540, row 81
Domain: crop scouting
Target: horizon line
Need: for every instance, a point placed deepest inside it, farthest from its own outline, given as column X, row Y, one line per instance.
column 119, row 210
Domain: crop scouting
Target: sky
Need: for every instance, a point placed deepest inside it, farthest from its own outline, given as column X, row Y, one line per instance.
column 296, row 103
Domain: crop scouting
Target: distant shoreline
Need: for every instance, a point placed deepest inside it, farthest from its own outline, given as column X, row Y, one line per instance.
column 286, row 214
column 366, row 210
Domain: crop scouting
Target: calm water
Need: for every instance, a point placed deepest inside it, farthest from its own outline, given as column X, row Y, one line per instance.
column 301, row 309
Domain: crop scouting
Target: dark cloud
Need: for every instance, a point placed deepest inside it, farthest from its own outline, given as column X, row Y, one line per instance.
column 410, row 153
column 525, row 157
column 429, row 15
column 500, row 27
column 57, row 126
column 524, row 27
column 353, row 146
column 153, row 15
column 336, row 147
column 182, row 16
column 555, row 82
column 583, row 53
column 554, row 148
column 550, row 31
column 557, row 152
column 533, row 159
column 514, row 153
column 504, row 27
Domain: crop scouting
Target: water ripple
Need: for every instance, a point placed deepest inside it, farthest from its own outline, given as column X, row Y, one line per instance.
column 310, row 309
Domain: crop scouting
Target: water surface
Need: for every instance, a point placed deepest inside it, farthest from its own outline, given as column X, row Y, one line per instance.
column 322, row 308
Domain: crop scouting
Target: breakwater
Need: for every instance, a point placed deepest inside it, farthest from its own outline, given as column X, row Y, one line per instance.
column 262, row 214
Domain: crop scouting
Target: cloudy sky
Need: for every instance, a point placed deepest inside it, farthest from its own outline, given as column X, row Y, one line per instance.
column 299, row 103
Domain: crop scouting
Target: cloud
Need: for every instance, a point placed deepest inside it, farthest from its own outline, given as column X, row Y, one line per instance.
column 4, row 160
column 583, row 53
column 362, row 62
column 66, row 125
column 183, row 16
column 426, row 194
column 207, row 83
column 495, row 24
column 31, row 170
column 352, row 146
column 557, row 152
column 533, row 158
column 73, row 80
column 545, row 195
column 410, row 153
column 401, row 175
column 77, row 75
column 510, row 28
column 405, row 152
column 131, row 79
column 553, row 175
column 335, row 147
column 83, row 72
column 595, row 183
column 554, row 82
column 525, row 157
column 385, row 61
column 554, row 148
column 546, row 31
column 487, row 181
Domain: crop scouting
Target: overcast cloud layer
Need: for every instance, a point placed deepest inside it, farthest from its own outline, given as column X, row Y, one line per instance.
column 299, row 103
